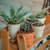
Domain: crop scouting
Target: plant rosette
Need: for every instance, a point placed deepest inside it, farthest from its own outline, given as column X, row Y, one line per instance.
column 13, row 28
column 47, row 15
column 32, row 19
column 38, row 28
column 29, row 36
column 40, row 17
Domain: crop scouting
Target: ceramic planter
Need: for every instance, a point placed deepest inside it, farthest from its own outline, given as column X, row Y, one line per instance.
column 38, row 30
column 47, row 21
column 29, row 37
column 42, row 20
column 13, row 31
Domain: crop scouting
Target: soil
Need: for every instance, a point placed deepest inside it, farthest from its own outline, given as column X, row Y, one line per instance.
column 40, row 17
column 24, row 32
column 39, row 25
column 33, row 21
column 14, row 24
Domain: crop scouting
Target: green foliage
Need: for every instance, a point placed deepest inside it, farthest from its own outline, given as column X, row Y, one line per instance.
column 45, row 12
column 32, row 18
column 48, row 38
column 38, row 23
column 15, row 17
column 25, row 25
column 39, row 15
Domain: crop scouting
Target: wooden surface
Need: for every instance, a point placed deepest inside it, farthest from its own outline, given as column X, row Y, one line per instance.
column 44, row 46
column 37, row 40
column 21, row 42
column 5, row 40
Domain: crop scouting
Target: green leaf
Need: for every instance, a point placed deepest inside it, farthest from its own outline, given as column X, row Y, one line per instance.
column 32, row 18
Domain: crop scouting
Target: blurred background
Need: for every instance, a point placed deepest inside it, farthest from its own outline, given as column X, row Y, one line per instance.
column 36, row 6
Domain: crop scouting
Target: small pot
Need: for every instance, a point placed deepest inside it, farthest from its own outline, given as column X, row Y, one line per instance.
column 49, row 47
column 42, row 20
column 29, row 37
column 38, row 30
column 47, row 21
column 13, row 28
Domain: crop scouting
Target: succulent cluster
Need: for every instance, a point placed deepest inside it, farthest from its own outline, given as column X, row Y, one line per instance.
column 15, row 17
column 39, row 15
column 45, row 12
column 25, row 25
column 38, row 23
column 32, row 18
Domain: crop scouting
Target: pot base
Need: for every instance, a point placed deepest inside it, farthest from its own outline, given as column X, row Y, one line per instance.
column 12, row 40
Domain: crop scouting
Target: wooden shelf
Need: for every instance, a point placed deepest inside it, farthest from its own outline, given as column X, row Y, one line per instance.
column 37, row 40
column 13, row 46
column 44, row 46
column 7, row 45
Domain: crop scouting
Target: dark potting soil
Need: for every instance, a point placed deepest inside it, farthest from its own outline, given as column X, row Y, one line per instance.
column 39, row 25
column 40, row 17
column 33, row 21
column 24, row 32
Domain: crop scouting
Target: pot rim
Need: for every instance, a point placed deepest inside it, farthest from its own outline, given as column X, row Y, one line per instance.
column 37, row 26
column 27, row 33
column 42, row 18
column 14, row 24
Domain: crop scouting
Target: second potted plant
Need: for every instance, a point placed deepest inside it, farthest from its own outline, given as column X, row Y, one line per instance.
column 38, row 28
column 40, row 17
column 27, row 31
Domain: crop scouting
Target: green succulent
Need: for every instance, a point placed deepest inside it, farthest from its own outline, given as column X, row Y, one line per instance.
column 32, row 18
column 25, row 25
column 15, row 17
column 38, row 23
column 39, row 15
column 45, row 12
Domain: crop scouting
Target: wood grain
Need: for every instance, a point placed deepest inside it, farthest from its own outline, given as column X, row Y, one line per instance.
column 44, row 46
column 5, row 40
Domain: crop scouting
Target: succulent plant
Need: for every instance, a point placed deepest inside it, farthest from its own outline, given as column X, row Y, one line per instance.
column 15, row 17
column 39, row 15
column 25, row 25
column 32, row 18
column 38, row 23
column 45, row 12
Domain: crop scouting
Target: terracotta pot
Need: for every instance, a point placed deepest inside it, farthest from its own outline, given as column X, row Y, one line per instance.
column 29, row 37
column 47, row 21
column 13, row 31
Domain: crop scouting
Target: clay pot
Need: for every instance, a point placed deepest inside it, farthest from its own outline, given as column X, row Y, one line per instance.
column 47, row 21
column 29, row 37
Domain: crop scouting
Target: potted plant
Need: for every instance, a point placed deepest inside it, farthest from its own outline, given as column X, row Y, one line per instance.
column 38, row 28
column 47, row 15
column 32, row 19
column 27, row 31
column 40, row 17
column 14, row 20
